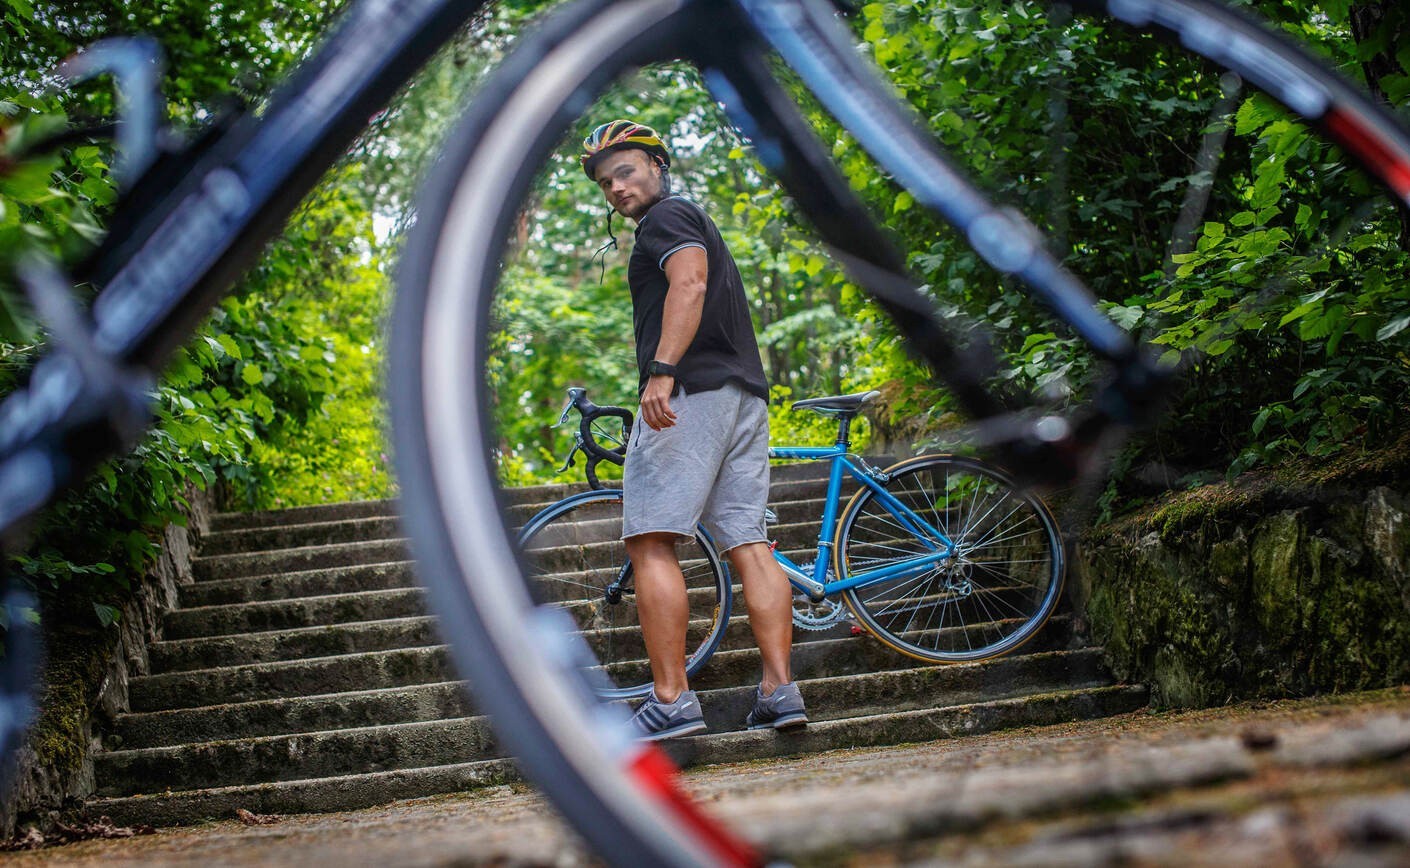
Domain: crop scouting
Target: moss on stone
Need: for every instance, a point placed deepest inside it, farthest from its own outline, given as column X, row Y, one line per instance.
column 75, row 662
column 1294, row 482
column 1279, row 583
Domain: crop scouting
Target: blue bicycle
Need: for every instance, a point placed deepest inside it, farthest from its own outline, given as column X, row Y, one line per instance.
column 941, row 557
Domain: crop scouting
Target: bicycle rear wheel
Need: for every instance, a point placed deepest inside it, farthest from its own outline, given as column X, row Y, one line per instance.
column 575, row 560
column 992, row 596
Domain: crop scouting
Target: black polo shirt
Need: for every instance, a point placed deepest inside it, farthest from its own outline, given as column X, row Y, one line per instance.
column 724, row 349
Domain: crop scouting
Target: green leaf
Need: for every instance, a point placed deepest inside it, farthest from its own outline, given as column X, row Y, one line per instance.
column 231, row 346
column 1125, row 316
column 252, row 374
column 1261, row 419
column 107, row 615
column 1298, row 312
column 1393, row 328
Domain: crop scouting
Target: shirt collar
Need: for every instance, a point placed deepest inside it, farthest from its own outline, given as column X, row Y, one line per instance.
column 642, row 221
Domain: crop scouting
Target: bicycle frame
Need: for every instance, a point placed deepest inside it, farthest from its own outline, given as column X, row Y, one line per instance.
column 817, row 586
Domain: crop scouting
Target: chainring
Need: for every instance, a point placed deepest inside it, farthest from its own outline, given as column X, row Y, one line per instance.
column 809, row 615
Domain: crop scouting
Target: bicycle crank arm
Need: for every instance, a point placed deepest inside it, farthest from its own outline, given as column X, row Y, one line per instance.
column 804, row 582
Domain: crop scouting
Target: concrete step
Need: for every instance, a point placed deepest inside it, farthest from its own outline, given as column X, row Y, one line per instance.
column 290, row 614
column 533, row 494
column 925, row 724
column 301, row 535
column 314, row 713
column 827, row 657
column 420, row 702
column 306, row 583
column 381, row 528
column 372, row 670
column 368, row 670
column 358, row 553
column 227, row 521
column 443, row 742
column 378, row 787
column 305, row 673
column 781, row 494
column 318, row 795
column 235, row 566
column 805, row 509
column 891, row 691
column 211, row 650
column 295, row 757
column 182, row 655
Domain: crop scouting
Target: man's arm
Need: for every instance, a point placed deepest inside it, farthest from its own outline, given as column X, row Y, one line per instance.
column 686, row 272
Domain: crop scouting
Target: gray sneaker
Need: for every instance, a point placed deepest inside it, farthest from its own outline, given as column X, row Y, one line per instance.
column 782, row 709
column 655, row 719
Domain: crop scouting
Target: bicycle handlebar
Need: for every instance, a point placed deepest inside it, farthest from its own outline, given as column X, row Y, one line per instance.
column 586, row 438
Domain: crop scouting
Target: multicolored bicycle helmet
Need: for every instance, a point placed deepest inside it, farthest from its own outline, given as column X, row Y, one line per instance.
column 619, row 135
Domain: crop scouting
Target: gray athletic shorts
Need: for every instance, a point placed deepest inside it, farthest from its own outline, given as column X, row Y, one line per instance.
column 712, row 466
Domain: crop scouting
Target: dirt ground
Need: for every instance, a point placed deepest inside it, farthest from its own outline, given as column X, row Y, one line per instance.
column 1319, row 781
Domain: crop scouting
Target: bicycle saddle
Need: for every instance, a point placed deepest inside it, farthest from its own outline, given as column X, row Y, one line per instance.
column 839, row 405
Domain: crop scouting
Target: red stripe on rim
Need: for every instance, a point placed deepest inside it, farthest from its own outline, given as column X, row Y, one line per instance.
column 1359, row 137
column 657, row 774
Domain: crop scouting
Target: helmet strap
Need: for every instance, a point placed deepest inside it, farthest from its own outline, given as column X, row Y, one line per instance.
column 610, row 245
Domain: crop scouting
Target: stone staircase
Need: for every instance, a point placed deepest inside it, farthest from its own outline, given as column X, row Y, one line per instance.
column 303, row 674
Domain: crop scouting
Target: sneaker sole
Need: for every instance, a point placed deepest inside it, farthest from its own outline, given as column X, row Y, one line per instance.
column 680, row 729
column 797, row 720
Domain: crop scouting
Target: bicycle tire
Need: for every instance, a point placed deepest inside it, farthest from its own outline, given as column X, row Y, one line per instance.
column 991, row 597
column 525, row 666
column 574, row 559
column 543, row 709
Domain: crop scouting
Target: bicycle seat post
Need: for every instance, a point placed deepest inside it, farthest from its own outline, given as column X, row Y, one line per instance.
column 844, row 430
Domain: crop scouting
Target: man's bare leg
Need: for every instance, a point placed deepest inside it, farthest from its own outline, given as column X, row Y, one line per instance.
column 664, row 610
column 770, row 600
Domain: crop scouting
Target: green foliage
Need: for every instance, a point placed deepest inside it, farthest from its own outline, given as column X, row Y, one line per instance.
column 257, row 374
column 1280, row 300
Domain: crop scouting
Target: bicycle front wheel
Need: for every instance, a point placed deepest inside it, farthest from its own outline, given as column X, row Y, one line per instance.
column 997, row 588
column 525, row 661
column 575, row 560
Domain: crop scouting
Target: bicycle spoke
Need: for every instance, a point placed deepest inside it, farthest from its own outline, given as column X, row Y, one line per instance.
column 995, row 590
column 576, row 558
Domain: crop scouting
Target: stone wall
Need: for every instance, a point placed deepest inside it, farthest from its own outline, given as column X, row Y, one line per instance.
column 1254, row 590
column 86, row 685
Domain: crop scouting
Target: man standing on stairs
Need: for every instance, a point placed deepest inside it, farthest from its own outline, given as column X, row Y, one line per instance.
column 699, row 451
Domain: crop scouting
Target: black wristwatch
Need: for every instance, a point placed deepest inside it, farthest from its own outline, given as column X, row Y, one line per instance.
column 660, row 369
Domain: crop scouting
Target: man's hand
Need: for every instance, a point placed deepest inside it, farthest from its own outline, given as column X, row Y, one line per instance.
column 656, row 402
